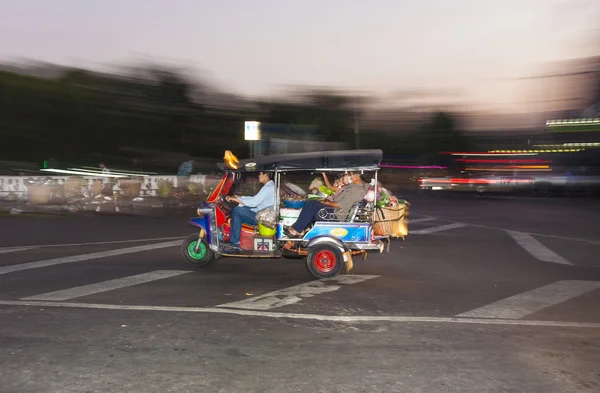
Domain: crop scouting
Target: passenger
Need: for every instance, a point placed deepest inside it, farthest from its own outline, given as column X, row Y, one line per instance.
column 327, row 189
column 247, row 209
column 340, row 182
column 337, row 184
column 340, row 204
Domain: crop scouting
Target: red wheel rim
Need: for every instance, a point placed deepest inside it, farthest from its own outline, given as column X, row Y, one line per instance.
column 325, row 261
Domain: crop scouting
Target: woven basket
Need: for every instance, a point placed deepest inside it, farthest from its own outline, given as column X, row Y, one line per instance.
column 391, row 221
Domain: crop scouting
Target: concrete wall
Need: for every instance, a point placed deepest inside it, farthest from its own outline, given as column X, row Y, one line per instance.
column 17, row 185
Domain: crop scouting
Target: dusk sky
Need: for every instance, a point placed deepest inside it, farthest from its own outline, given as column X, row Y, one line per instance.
column 252, row 46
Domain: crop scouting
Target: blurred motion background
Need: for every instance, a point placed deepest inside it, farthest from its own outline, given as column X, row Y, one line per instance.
column 146, row 85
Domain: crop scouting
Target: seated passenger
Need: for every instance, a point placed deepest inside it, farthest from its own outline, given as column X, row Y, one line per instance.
column 341, row 204
column 340, row 182
column 327, row 189
column 337, row 184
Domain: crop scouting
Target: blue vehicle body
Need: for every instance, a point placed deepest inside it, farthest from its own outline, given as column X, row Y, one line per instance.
column 203, row 221
column 345, row 231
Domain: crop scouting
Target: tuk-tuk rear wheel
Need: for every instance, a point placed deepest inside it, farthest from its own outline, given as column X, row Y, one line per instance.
column 324, row 261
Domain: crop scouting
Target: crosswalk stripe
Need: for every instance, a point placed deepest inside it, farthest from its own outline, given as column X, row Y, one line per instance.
column 417, row 220
column 530, row 302
column 15, row 249
column 85, row 257
column 105, row 286
column 427, row 231
column 537, row 249
column 291, row 295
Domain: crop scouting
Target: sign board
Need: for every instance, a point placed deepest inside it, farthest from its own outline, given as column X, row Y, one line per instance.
column 252, row 131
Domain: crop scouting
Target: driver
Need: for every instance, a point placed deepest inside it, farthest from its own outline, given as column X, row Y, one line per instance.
column 248, row 206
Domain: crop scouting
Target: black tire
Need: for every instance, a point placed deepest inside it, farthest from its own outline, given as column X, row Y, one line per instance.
column 324, row 261
column 203, row 259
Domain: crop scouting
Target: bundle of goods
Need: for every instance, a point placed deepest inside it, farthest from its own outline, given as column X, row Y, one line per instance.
column 391, row 213
column 288, row 217
column 293, row 201
column 267, row 222
column 267, row 218
column 291, row 188
column 319, row 190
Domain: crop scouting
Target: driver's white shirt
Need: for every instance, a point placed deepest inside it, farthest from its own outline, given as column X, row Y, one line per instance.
column 263, row 199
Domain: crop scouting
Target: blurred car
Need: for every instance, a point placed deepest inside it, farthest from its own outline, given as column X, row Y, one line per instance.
column 479, row 183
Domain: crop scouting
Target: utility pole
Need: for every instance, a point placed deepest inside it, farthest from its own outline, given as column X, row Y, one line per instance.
column 356, row 125
column 356, row 136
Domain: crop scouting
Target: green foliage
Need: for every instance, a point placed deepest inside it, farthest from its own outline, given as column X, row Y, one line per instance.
column 440, row 134
column 81, row 115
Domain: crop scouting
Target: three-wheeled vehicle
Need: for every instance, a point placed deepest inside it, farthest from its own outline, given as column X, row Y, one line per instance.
column 328, row 245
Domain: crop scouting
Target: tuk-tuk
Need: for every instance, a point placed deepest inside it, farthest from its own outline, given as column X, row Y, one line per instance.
column 328, row 245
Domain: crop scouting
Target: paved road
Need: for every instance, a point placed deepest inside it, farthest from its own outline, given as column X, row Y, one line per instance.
column 485, row 295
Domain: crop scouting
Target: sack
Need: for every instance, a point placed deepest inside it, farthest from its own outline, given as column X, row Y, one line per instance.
column 267, row 217
column 315, row 184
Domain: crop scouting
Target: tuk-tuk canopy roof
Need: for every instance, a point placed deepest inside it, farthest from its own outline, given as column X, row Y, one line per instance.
column 325, row 160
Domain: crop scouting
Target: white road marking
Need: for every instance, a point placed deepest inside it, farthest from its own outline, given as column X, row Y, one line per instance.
column 419, row 214
column 313, row 317
column 537, row 249
column 86, row 257
column 291, row 295
column 446, row 227
column 6, row 250
column 529, row 302
column 101, row 243
column 417, row 220
column 575, row 239
column 104, row 286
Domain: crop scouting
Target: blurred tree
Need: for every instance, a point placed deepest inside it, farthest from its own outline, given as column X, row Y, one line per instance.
column 82, row 115
column 440, row 134
column 333, row 114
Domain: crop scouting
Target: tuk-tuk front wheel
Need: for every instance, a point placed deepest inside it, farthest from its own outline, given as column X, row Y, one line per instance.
column 324, row 261
column 196, row 251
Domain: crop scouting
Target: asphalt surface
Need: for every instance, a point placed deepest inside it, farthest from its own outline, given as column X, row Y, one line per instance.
column 484, row 295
